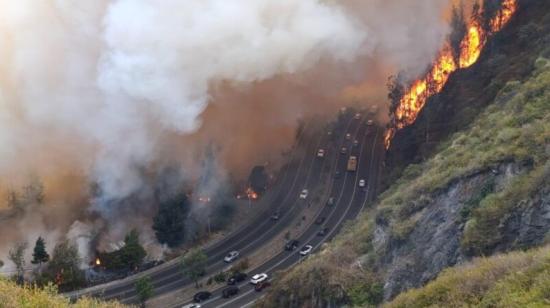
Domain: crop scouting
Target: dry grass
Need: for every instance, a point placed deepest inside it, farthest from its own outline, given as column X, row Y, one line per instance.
column 519, row 279
column 13, row 296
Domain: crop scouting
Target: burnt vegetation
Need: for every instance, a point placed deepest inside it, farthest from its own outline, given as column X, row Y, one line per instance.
column 469, row 178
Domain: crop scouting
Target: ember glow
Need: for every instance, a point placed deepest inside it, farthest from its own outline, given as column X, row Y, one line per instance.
column 97, row 262
column 251, row 194
column 433, row 82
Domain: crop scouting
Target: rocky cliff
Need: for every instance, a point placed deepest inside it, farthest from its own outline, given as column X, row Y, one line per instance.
column 476, row 187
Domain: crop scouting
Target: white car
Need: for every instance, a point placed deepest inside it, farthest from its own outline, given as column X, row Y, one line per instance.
column 355, row 142
column 258, row 278
column 231, row 256
column 306, row 250
column 304, row 193
column 362, row 183
column 348, row 136
column 321, row 153
column 194, row 305
column 357, row 116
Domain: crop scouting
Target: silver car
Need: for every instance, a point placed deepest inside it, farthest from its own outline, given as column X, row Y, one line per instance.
column 231, row 256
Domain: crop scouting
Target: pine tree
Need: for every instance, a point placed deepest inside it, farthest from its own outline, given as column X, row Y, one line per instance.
column 40, row 255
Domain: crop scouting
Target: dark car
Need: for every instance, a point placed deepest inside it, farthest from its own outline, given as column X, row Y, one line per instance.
column 322, row 232
column 262, row 285
column 330, row 201
column 237, row 277
column 275, row 216
column 291, row 245
column 337, row 174
column 230, row 291
column 201, row 296
column 320, row 220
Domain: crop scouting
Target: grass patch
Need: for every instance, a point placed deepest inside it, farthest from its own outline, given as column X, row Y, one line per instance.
column 12, row 296
column 519, row 279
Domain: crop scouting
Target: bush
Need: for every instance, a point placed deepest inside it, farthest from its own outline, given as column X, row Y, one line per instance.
column 520, row 279
column 12, row 295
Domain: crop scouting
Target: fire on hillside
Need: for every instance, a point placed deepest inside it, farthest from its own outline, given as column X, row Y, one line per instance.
column 415, row 97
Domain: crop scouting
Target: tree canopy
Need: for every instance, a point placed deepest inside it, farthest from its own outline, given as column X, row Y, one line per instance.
column 63, row 267
column 169, row 223
column 40, row 255
column 128, row 257
column 193, row 265
column 144, row 289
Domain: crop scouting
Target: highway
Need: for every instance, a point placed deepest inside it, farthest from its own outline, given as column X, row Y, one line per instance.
column 304, row 170
column 350, row 201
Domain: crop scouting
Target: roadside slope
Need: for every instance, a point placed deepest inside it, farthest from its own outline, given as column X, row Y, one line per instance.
column 12, row 296
column 485, row 190
column 517, row 279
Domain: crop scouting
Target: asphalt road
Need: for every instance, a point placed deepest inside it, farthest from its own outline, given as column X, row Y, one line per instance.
column 350, row 201
column 303, row 171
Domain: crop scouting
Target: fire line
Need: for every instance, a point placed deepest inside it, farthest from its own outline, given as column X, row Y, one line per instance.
column 433, row 82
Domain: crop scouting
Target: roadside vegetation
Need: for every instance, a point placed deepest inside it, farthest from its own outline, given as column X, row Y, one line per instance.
column 14, row 296
column 514, row 130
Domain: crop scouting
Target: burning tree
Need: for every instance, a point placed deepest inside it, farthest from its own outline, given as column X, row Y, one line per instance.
column 461, row 50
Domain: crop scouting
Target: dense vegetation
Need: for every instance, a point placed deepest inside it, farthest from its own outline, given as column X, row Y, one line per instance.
column 169, row 223
column 513, row 131
column 128, row 257
column 518, row 279
column 13, row 296
column 516, row 128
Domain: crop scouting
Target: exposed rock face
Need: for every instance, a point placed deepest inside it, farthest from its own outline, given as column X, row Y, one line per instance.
column 435, row 242
column 529, row 224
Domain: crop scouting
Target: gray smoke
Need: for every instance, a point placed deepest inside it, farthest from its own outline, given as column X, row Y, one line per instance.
column 106, row 92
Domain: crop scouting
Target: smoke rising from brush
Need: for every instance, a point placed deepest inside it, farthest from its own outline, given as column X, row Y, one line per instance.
column 107, row 92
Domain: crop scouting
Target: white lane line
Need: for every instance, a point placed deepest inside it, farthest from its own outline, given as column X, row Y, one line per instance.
column 334, row 207
column 371, row 165
column 103, row 287
column 313, row 236
column 309, row 172
column 177, row 272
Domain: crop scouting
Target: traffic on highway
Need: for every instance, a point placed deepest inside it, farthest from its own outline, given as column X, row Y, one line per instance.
column 317, row 168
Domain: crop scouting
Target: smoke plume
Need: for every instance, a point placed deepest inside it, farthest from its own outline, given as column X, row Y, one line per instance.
column 107, row 93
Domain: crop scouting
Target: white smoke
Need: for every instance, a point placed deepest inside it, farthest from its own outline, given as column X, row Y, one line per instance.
column 95, row 88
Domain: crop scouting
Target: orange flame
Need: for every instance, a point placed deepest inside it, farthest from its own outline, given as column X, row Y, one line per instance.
column 471, row 46
column 251, row 194
column 433, row 82
column 508, row 9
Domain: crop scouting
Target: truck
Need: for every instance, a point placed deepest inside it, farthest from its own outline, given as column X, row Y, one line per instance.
column 352, row 163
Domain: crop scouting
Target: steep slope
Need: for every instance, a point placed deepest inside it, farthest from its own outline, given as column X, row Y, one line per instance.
column 517, row 279
column 485, row 188
column 509, row 55
column 13, row 296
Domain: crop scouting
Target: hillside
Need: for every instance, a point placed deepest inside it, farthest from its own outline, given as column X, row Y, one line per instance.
column 13, row 296
column 518, row 279
column 480, row 187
